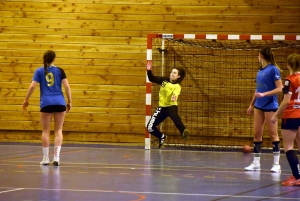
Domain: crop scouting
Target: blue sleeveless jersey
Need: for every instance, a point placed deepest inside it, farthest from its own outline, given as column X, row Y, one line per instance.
column 50, row 85
column 265, row 81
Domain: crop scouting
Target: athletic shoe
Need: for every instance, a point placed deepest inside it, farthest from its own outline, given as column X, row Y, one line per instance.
column 253, row 167
column 55, row 161
column 289, row 178
column 291, row 182
column 161, row 141
column 276, row 168
column 45, row 161
column 185, row 133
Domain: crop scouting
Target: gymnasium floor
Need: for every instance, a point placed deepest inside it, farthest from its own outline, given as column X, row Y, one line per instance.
column 108, row 173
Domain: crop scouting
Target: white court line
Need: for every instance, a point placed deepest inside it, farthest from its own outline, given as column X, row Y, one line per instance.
column 153, row 167
column 17, row 189
column 156, row 193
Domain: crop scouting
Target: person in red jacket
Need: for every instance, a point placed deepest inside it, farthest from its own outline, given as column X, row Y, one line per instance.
column 290, row 107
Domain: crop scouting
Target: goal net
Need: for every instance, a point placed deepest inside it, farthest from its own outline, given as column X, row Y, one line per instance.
column 218, row 87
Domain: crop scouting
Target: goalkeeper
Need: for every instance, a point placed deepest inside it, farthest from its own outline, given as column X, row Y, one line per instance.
column 168, row 96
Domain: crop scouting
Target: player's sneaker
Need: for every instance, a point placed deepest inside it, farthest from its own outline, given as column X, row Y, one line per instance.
column 185, row 133
column 55, row 161
column 45, row 161
column 276, row 168
column 292, row 181
column 289, row 178
column 253, row 167
column 161, row 141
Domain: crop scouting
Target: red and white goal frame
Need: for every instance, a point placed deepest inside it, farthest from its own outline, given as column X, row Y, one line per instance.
column 195, row 36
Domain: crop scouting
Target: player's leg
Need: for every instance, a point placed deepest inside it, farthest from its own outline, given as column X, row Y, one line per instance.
column 298, row 144
column 288, row 137
column 59, row 118
column 173, row 114
column 259, row 120
column 158, row 116
column 46, row 122
column 273, row 133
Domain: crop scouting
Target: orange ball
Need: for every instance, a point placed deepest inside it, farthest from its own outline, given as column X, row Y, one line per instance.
column 247, row 149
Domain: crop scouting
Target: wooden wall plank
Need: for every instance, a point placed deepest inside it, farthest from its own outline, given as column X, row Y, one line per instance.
column 74, row 117
column 3, row 45
column 154, row 9
column 83, row 79
column 182, row 3
column 82, row 94
column 183, row 26
column 76, row 109
column 106, row 57
column 75, row 70
column 105, row 103
column 166, row 18
column 87, row 16
column 80, row 87
column 77, row 47
column 239, row 18
column 72, row 137
column 38, row 38
column 76, row 32
column 79, row 126
column 6, row 22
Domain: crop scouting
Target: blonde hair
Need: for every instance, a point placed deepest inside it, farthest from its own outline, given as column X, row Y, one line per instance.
column 294, row 62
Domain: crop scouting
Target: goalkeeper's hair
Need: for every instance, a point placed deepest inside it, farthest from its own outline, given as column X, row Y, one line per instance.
column 182, row 74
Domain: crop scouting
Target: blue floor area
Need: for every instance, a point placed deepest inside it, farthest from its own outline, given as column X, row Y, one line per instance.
column 111, row 173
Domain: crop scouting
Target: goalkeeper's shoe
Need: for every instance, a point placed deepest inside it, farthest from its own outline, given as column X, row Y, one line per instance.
column 161, row 141
column 186, row 134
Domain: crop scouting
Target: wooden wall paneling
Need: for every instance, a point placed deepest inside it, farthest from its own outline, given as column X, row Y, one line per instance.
column 101, row 45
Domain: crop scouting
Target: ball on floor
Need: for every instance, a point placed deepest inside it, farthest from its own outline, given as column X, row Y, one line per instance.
column 247, row 149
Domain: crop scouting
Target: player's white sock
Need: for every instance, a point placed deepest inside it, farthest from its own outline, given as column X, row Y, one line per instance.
column 256, row 160
column 57, row 151
column 276, row 157
column 46, row 151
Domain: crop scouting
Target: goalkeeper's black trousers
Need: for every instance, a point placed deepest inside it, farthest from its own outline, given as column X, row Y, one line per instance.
column 160, row 115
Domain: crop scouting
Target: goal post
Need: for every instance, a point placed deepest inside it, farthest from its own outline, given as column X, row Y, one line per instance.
column 219, row 84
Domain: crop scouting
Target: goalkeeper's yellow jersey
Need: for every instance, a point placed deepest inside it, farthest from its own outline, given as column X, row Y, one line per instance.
column 166, row 91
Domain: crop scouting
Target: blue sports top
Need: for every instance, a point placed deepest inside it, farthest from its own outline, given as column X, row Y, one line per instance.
column 50, row 85
column 265, row 81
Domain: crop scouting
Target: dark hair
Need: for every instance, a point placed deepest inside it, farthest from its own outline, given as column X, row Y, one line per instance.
column 268, row 55
column 294, row 61
column 182, row 74
column 48, row 57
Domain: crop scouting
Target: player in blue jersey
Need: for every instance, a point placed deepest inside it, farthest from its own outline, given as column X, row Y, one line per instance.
column 265, row 103
column 52, row 103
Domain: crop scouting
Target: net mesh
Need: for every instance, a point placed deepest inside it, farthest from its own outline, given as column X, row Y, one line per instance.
column 217, row 89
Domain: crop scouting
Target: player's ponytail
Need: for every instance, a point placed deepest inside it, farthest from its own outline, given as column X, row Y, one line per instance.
column 182, row 74
column 269, row 56
column 48, row 58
